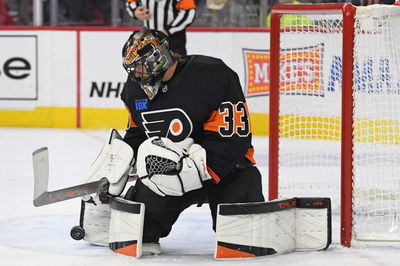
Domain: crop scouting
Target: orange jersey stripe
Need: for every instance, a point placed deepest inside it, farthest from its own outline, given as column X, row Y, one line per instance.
column 250, row 155
column 215, row 177
column 131, row 123
column 185, row 5
column 131, row 1
column 214, row 122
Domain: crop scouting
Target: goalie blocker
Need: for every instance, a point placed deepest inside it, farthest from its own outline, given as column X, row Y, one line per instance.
column 269, row 228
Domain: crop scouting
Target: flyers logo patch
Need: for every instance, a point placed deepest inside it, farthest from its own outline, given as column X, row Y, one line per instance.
column 173, row 123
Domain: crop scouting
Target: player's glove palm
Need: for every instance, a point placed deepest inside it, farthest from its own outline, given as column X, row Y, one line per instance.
column 168, row 169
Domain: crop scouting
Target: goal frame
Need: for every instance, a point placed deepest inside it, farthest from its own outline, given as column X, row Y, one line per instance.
column 348, row 12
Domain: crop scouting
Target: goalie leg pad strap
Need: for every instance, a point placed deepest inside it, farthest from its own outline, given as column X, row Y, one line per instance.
column 126, row 227
column 95, row 219
column 269, row 228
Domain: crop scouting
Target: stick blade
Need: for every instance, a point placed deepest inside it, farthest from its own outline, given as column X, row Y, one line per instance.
column 40, row 160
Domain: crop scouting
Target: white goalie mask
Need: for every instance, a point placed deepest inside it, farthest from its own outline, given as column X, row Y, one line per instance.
column 146, row 57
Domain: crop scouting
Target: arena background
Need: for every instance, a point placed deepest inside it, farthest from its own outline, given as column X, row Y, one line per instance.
column 71, row 77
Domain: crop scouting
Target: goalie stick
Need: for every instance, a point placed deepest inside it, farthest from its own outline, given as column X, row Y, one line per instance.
column 42, row 196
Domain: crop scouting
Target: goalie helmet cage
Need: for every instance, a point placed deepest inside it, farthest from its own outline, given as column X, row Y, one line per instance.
column 327, row 143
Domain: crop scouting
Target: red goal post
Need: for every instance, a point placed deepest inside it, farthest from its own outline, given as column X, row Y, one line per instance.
column 346, row 30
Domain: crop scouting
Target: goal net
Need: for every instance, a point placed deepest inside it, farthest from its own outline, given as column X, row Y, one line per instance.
column 335, row 112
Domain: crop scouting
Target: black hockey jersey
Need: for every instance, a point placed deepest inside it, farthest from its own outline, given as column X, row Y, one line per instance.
column 203, row 100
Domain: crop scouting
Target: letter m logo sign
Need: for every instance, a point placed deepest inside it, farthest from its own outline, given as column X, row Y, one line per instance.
column 257, row 72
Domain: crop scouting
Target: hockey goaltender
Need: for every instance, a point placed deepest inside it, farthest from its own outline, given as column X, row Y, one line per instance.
column 188, row 142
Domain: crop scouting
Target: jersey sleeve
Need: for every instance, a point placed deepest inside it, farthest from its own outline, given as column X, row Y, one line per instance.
column 185, row 17
column 133, row 136
column 227, row 132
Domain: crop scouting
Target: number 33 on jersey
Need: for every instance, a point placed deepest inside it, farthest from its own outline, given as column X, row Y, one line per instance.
column 230, row 119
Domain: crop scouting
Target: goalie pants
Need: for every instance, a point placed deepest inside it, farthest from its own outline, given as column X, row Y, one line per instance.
column 162, row 212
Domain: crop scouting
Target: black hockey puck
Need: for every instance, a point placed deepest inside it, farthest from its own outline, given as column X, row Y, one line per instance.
column 77, row 232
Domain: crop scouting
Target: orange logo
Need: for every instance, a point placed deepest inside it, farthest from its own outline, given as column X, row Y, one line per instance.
column 318, row 203
column 68, row 194
column 176, row 127
column 204, row 167
column 287, row 204
column 300, row 71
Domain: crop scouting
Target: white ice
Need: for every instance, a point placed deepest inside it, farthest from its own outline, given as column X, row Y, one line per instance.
column 40, row 236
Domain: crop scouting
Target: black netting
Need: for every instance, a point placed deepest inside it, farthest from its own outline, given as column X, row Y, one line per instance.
column 160, row 165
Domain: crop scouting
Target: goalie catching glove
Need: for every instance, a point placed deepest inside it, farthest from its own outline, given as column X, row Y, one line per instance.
column 169, row 169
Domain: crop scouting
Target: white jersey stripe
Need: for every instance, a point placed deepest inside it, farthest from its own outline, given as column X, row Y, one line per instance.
column 151, row 4
column 186, row 22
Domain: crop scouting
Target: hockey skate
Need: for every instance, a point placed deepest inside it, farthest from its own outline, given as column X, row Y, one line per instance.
column 151, row 248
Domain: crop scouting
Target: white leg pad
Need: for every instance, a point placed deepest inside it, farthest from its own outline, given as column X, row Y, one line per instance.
column 312, row 225
column 95, row 220
column 270, row 228
column 126, row 227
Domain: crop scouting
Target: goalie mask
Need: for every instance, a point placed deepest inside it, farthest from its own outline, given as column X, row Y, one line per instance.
column 146, row 57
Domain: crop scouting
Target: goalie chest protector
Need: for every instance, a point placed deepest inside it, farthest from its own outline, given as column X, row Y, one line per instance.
column 204, row 101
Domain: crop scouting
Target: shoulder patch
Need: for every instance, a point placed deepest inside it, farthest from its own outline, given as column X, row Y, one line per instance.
column 141, row 104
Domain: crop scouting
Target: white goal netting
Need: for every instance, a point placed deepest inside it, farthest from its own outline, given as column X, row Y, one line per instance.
column 310, row 109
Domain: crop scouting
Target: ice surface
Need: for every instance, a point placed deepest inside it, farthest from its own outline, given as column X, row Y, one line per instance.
column 40, row 236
